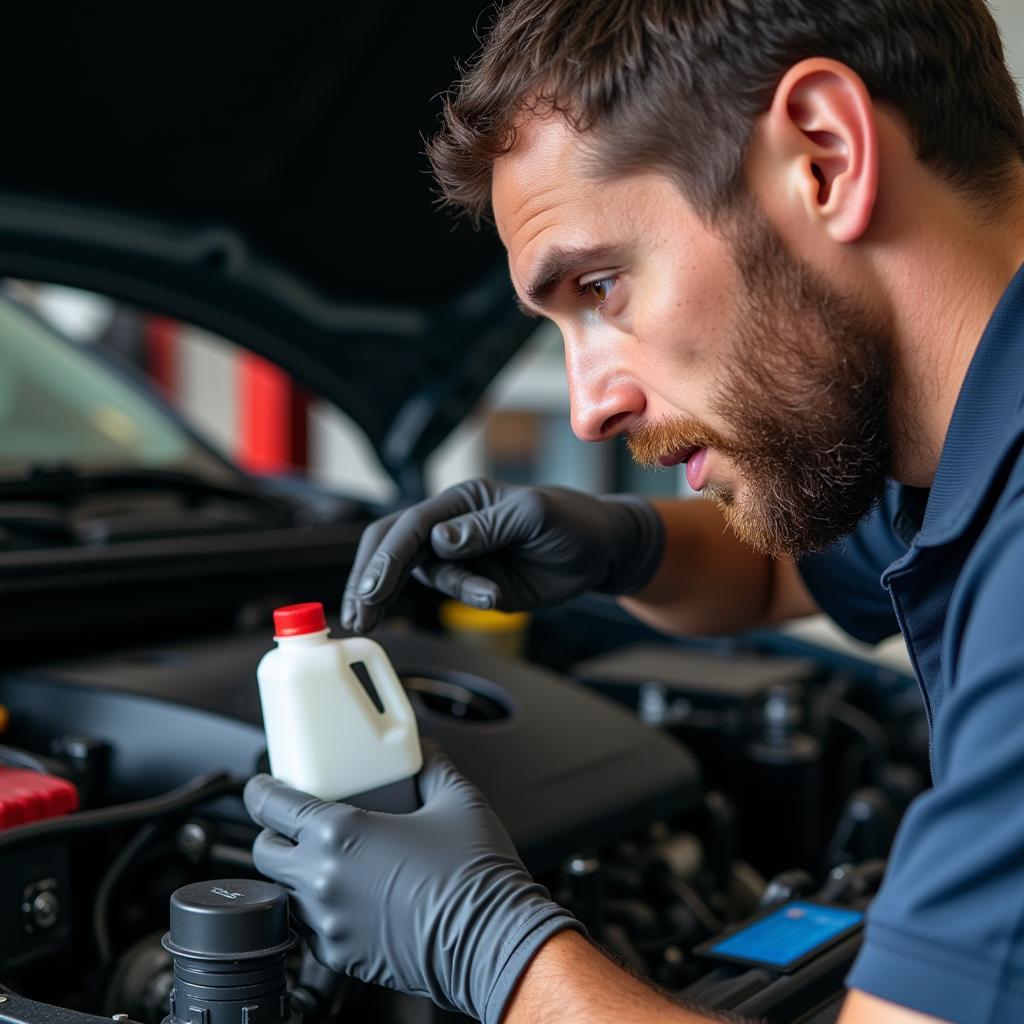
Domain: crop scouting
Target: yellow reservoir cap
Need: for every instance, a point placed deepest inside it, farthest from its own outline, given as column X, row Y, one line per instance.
column 460, row 617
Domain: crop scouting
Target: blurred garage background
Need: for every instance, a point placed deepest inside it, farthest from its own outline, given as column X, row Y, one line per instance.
column 252, row 412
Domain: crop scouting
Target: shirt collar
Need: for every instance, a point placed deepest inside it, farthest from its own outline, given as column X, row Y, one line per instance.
column 985, row 424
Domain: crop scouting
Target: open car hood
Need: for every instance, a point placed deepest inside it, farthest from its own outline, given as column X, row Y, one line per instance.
column 258, row 170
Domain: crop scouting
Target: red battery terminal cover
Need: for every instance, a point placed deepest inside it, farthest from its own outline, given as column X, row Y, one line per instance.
column 27, row 796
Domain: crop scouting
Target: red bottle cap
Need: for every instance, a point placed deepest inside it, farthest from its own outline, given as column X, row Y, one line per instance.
column 297, row 619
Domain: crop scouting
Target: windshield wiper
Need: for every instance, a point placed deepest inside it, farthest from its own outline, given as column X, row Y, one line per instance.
column 31, row 524
column 65, row 484
column 56, row 506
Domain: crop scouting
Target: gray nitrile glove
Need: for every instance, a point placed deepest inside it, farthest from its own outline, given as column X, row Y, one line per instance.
column 496, row 545
column 434, row 903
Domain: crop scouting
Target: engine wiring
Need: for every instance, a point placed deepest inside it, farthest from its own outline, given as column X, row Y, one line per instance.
column 196, row 791
column 15, row 757
column 113, row 875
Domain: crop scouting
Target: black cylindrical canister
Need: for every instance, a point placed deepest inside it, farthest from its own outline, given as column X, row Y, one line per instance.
column 229, row 939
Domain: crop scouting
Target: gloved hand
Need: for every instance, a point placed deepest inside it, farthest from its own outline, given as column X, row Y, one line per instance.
column 496, row 545
column 435, row 902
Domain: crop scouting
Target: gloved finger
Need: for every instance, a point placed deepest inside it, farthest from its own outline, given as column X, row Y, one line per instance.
column 433, row 753
column 274, row 805
column 405, row 543
column 363, row 617
column 357, row 616
column 459, row 583
column 440, row 782
column 352, row 607
column 369, row 542
column 273, row 856
column 511, row 521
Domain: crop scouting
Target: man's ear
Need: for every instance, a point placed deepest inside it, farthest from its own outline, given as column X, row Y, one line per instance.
column 819, row 143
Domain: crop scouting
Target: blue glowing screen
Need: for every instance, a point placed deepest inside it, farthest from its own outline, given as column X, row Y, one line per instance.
column 790, row 933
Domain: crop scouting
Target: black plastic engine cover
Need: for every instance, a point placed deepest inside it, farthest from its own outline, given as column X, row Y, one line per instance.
column 564, row 769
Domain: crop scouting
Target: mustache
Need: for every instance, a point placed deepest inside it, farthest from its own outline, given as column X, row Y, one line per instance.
column 647, row 442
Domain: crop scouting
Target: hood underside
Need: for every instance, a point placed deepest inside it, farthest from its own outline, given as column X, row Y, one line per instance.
column 259, row 171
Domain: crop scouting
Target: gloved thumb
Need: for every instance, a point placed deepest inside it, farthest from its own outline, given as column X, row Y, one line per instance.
column 461, row 537
column 479, row 532
column 274, row 805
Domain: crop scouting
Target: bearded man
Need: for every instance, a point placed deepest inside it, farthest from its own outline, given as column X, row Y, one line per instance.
column 782, row 242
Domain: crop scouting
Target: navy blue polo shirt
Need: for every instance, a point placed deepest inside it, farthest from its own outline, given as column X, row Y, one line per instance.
column 945, row 935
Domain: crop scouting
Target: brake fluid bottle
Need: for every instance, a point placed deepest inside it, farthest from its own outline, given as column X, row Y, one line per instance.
column 326, row 733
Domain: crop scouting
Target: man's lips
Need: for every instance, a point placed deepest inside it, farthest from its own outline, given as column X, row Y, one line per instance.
column 695, row 475
column 694, row 457
column 678, row 457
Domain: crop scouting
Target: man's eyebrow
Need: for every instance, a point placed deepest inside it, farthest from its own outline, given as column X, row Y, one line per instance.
column 555, row 265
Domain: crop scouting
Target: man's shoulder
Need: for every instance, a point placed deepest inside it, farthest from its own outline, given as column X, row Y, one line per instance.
column 1002, row 517
column 1012, row 494
column 984, row 605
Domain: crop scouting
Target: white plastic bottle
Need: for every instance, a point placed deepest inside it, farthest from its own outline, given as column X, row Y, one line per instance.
column 325, row 735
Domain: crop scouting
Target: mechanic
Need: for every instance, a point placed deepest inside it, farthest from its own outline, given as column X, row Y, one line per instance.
column 782, row 240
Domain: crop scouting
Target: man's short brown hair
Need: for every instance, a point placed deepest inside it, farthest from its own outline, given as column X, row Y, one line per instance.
column 675, row 85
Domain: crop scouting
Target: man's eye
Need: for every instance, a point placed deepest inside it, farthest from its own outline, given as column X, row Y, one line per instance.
column 599, row 289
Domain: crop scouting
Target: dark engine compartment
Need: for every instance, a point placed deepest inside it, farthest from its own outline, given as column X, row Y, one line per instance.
column 661, row 791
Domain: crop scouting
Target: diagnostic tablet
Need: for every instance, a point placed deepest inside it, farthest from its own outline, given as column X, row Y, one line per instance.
column 786, row 938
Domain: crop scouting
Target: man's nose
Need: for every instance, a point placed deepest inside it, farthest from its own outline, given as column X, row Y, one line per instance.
column 603, row 406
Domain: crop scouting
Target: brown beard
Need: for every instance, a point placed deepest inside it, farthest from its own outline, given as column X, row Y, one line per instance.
column 806, row 396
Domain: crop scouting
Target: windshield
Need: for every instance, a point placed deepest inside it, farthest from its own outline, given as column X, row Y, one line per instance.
column 62, row 405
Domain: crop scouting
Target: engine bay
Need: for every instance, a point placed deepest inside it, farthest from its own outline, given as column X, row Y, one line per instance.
column 666, row 793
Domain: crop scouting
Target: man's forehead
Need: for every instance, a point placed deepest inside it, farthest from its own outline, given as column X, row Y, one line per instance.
column 543, row 169
column 555, row 215
column 549, row 177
